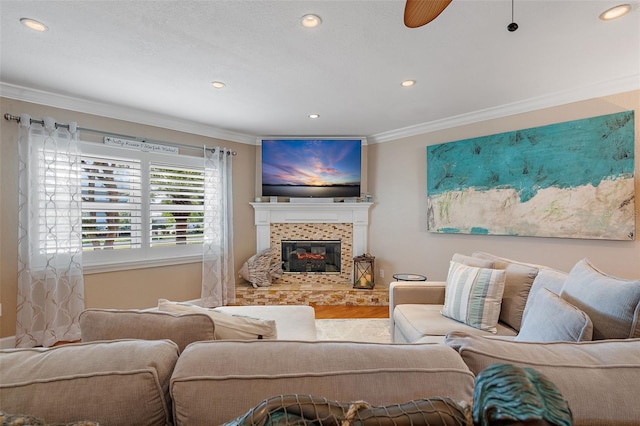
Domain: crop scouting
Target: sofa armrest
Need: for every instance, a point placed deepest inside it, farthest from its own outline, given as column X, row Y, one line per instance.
column 421, row 292
column 418, row 292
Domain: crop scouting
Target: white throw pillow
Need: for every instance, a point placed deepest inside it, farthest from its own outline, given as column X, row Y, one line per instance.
column 551, row 319
column 227, row 327
column 474, row 295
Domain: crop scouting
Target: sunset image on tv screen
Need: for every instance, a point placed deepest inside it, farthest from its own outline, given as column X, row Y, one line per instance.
column 311, row 168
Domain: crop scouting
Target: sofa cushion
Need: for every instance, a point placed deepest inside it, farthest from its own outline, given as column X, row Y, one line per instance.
column 227, row 326
column 549, row 279
column 237, row 375
column 293, row 322
column 612, row 303
column 552, row 319
column 113, row 383
column 472, row 261
column 416, row 321
column 518, row 282
column 113, row 324
column 599, row 379
column 473, row 295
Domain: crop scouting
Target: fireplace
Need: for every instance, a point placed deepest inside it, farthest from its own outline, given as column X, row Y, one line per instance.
column 344, row 222
column 312, row 222
column 311, row 256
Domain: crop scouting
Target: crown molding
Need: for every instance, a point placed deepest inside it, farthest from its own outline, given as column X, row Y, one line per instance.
column 610, row 87
column 118, row 112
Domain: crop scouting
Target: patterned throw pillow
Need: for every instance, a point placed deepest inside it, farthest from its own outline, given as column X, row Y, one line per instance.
column 259, row 271
column 474, row 295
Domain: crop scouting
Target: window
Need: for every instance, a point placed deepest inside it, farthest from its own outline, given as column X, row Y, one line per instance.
column 111, row 203
column 140, row 207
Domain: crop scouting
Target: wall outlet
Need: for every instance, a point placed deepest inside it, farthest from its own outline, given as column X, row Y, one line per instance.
column 381, row 273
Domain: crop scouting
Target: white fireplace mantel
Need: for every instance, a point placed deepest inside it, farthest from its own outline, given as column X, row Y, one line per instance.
column 354, row 213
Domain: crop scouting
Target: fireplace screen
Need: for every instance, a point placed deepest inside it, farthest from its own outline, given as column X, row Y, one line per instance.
column 311, row 256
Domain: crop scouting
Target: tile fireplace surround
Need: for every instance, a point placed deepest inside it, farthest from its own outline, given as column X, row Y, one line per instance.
column 347, row 222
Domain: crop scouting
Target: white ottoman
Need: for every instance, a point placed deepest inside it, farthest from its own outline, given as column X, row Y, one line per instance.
column 293, row 322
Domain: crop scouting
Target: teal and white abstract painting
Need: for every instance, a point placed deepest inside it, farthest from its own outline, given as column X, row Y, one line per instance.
column 567, row 180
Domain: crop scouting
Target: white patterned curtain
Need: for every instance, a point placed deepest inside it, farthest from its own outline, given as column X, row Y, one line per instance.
column 218, row 279
column 50, row 280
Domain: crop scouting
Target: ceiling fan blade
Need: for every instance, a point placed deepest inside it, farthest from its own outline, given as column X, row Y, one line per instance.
column 420, row 12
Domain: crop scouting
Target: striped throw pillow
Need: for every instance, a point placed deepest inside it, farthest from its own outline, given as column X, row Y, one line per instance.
column 473, row 296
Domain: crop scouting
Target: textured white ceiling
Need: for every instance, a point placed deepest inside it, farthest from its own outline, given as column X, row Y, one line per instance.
column 160, row 57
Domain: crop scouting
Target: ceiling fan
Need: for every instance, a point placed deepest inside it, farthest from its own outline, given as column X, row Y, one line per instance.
column 420, row 12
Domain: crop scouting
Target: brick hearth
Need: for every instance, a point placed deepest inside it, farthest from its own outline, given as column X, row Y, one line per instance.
column 311, row 294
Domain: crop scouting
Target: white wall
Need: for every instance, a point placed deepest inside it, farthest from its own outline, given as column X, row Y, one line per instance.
column 397, row 178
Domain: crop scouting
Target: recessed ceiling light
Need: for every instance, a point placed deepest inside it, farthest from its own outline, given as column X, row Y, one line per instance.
column 314, row 115
column 615, row 12
column 218, row 84
column 311, row 21
column 408, row 83
column 34, row 25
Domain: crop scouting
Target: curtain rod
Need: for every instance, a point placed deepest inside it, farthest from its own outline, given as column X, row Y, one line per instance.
column 11, row 117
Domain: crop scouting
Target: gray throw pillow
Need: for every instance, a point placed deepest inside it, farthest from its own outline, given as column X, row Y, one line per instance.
column 551, row 319
column 550, row 279
column 612, row 303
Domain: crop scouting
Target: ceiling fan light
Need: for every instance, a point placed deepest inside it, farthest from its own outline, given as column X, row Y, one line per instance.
column 408, row 83
column 314, row 116
column 311, row 21
column 218, row 84
column 34, row 25
column 615, row 12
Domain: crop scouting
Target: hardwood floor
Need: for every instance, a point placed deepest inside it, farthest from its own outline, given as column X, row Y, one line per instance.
column 333, row 312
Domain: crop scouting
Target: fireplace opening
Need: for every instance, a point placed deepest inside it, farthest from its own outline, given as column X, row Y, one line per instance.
column 311, row 256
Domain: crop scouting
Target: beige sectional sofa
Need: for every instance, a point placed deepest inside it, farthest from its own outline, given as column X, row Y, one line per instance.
column 542, row 309
column 147, row 382
column 609, row 305
column 197, row 380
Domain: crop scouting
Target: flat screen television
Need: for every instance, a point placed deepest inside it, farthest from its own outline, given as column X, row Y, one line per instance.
column 304, row 168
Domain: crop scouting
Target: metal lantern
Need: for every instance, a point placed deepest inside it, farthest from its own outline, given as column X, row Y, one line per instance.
column 363, row 271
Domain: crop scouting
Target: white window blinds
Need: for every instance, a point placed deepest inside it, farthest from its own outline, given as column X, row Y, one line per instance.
column 176, row 205
column 111, row 203
column 140, row 206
